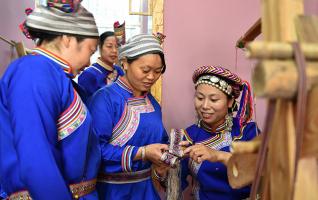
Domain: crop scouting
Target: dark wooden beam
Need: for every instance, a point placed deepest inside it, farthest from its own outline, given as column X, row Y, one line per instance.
column 254, row 31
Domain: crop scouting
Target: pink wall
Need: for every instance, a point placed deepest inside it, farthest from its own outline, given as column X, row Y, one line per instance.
column 311, row 7
column 202, row 33
column 11, row 15
column 198, row 33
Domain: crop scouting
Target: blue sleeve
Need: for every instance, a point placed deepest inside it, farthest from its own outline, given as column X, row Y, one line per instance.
column 3, row 195
column 33, row 102
column 250, row 131
column 165, row 138
column 119, row 70
column 88, row 81
column 184, row 173
column 117, row 158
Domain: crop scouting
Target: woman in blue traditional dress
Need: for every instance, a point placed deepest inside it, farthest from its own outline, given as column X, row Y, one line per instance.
column 128, row 121
column 48, row 149
column 216, row 91
column 104, row 71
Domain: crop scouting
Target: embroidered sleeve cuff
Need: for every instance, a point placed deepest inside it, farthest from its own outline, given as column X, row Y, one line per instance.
column 127, row 158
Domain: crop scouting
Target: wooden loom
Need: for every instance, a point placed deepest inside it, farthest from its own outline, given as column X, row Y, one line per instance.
column 282, row 164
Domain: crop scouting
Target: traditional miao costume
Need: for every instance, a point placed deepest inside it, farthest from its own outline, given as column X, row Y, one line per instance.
column 210, row 178
column 48, row 148
column 124, row 123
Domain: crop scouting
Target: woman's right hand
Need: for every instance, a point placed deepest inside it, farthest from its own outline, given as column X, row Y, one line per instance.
column 153, row 153
column 200, row 152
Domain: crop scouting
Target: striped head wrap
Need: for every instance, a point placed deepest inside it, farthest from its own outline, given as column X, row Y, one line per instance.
column 230, row 84
column 219, row 77
column 139, row 45
column 62, row 17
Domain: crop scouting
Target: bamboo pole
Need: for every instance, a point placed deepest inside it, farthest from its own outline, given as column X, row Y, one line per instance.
column 280, row 50
column 19, row 46
column 250, row 35
column 307, row 179
column 157, row 26
column 281, row 155
column 278, row 25
column 7, row 41
column 310, row 147
column 279, row 78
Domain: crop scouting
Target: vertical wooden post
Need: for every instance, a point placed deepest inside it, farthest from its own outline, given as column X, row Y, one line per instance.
column 278, row 24
column 157, row 26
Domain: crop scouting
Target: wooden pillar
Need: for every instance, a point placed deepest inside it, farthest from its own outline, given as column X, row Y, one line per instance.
column 278, row 25
column 157, row 26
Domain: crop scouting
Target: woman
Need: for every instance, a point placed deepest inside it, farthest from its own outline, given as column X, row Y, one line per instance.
column 104, row 71
column 128, row 120
column 48, row 149
column 216, row 91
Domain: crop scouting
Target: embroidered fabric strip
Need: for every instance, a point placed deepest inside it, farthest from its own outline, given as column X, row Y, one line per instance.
column 78, row 190
column 72, row 118
column 125, row 177
column 174, row 154
column 126, row 158
column 219, row 141
column 128, row 124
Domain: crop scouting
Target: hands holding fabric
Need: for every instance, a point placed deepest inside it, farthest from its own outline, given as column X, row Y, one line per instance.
column 200, row 153
column 152, row 153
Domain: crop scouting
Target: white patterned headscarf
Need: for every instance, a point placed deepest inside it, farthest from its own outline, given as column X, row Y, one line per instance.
column 140, row 45
column 68, row 18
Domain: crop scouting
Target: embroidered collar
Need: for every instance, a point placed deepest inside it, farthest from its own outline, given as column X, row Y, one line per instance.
column 219, row 129
column 120, row 81
column 123, row 84
column 63, row 63
column 104, row 65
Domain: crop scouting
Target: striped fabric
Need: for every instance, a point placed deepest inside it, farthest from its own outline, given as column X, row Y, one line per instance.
column 138, row 45
column 127, row 159
column 51, row 19
column 216, row 70
column 218, row 141
column 245, row 112
column 63, row 63
column 129, row 121
column 224, row 74
column 72, row 118
column 125, row 177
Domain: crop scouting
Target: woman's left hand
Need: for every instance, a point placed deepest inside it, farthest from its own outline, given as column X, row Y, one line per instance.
column 200, row 152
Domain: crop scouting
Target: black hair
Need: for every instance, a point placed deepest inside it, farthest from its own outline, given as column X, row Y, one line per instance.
column 104, row 36
column 43, row 35
column 162, row 56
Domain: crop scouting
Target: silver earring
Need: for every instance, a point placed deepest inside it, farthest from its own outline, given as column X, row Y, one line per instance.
column 199, row 123
column 228, row 122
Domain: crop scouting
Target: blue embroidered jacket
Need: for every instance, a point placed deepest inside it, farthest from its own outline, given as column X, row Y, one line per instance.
column 97, row 76
column 46, row 141
column 124, row 123
column 211, row 180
